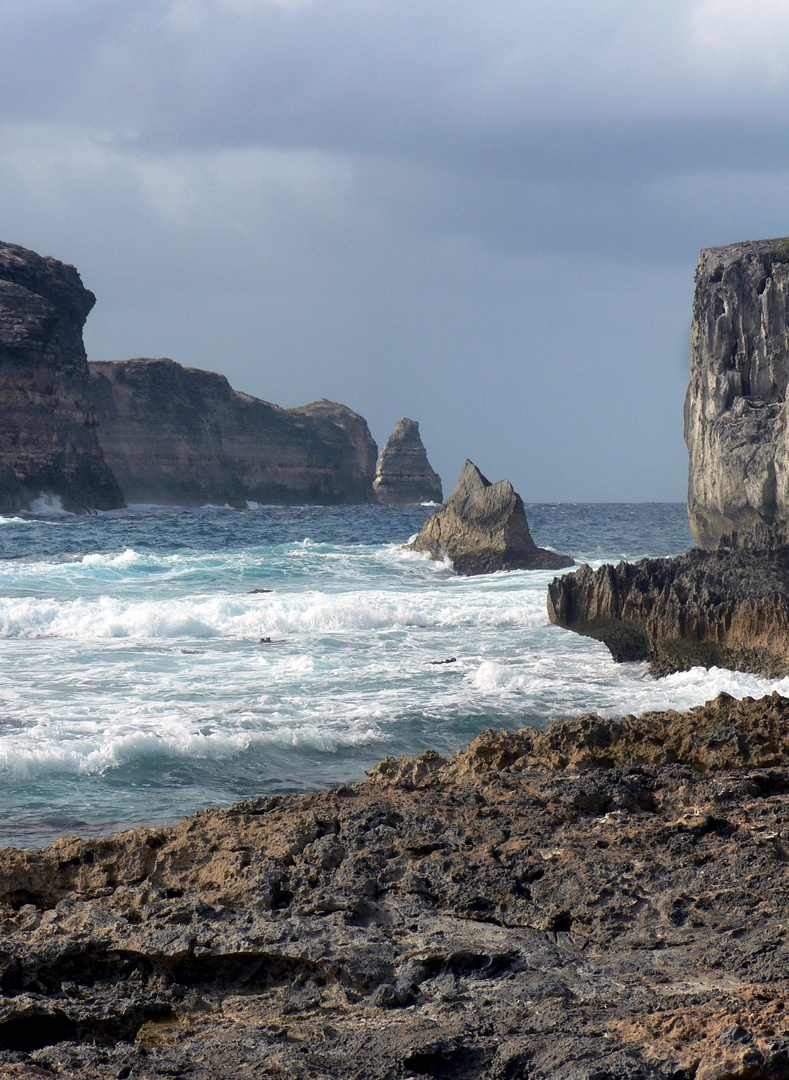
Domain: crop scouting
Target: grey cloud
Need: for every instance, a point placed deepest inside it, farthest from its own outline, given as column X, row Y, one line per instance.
column 485, row 214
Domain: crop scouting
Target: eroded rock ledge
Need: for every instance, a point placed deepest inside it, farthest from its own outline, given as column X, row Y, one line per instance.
column 601, row 900
column 725, row 608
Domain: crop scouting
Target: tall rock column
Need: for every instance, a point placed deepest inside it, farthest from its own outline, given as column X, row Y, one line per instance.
column 405, row 476
column 48, row 443
column 735, row 410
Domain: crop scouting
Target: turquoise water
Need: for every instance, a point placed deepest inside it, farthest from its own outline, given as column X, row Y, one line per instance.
column 135, row 685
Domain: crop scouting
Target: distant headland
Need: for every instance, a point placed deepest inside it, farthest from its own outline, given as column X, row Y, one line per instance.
column 99, row 435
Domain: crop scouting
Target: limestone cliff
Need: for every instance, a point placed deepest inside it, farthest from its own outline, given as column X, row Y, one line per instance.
column 735, row 411
column 482, row 528
column 48, row 443
column 405, row 476
column 181, row 435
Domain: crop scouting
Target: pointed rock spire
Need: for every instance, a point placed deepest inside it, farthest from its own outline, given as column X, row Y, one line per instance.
column 482, row 528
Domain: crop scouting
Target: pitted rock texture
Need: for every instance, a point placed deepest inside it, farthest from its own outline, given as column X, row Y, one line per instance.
column 405, row 476
column 183, row 436
column 48, row 444
column 603, row 900
column 482, row 528
column 728, row 608
column 735, row 411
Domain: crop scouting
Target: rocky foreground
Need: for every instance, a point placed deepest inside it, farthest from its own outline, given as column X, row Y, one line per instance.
column 604, row 900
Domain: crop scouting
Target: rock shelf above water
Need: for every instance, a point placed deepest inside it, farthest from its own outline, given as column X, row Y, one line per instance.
column 606, row 899
column 726, row 608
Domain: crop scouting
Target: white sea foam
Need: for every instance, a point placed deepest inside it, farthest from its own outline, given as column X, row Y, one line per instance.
column 132, row 668
column 48, row 506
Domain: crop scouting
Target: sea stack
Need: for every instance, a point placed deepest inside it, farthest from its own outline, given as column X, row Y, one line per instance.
column 405, row 476
column 184, row 436
column 482, row 528
column 48, row 444
column 726, row 604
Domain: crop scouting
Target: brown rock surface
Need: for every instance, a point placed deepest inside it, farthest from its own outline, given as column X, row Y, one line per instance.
column 404, row 475
column 482, row 528
column 603, row 900
column 48, row 443
column 728, row 608
column 183, row 436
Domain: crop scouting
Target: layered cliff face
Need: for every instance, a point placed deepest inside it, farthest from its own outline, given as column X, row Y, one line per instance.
column 184, row 436
column 405, row 476
column 735, row 411
column 727, row 608
column 482, row 528
column 48, row 443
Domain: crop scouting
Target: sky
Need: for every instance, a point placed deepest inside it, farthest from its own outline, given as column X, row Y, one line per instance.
column 481, row 214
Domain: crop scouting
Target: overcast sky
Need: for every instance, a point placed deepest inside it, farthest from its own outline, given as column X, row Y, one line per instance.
column 482, row 215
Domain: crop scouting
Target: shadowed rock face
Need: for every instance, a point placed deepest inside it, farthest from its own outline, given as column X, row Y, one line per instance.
column 482, row 528
column 725, row 608
column 184, row 436
column 405, row 476
column 735, row 412
column 606, row 899
column 48, row 443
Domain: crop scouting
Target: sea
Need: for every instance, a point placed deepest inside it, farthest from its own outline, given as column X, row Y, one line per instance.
column 155, row 661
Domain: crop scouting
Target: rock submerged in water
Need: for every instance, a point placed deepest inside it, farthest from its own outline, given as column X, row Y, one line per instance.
column 546, row 905
column 727, row 608
column 405, row 476
column 482, row 528
column 48, row 444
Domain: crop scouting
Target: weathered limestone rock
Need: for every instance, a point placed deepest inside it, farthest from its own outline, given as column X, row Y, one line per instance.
column 728, row 608
column 48, row 443
column 184, row 436
column 482, row 528
column 606, row 899
column 355, row 426
column 735, row 412
column 405, row 476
